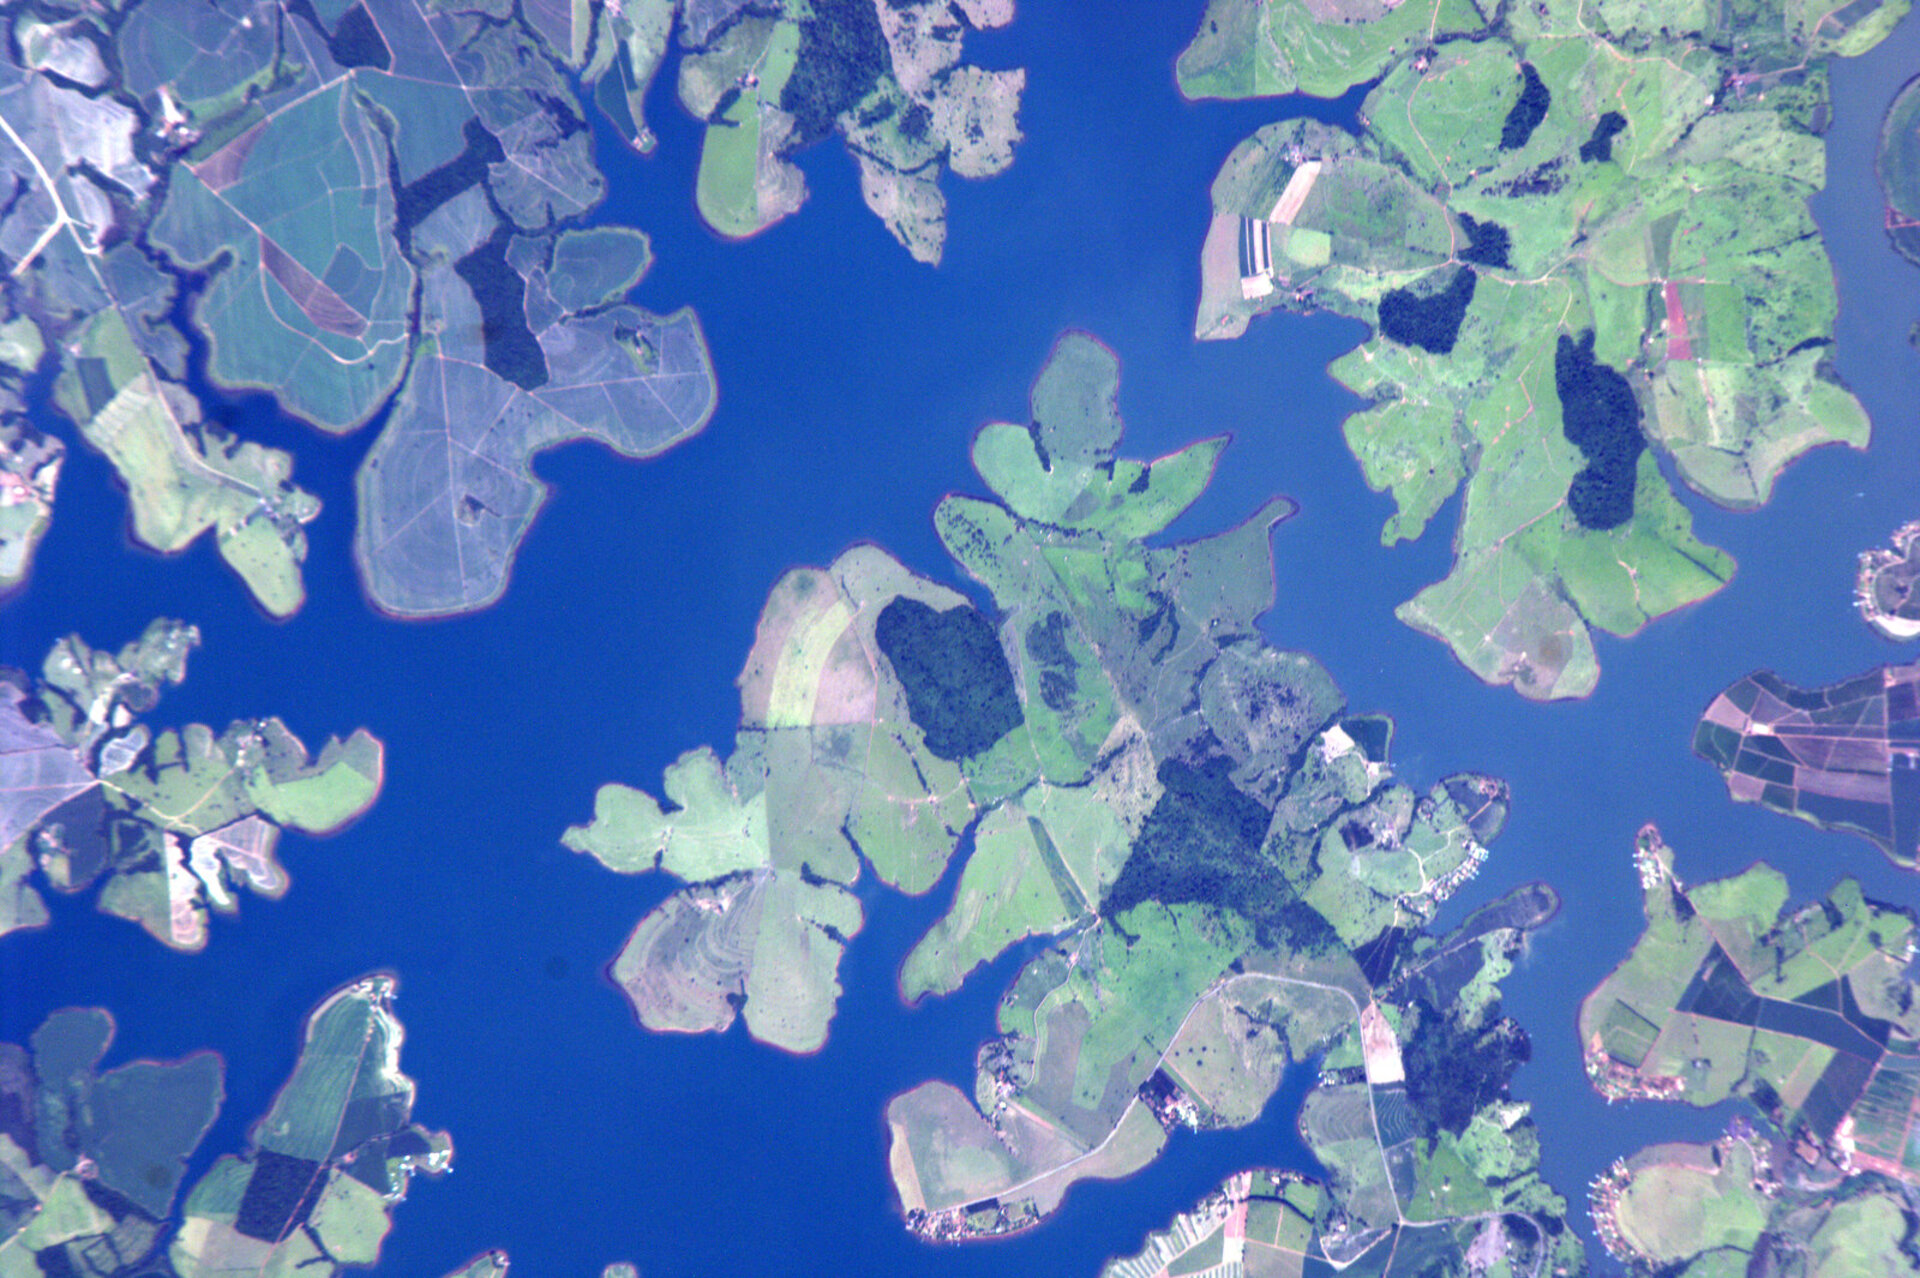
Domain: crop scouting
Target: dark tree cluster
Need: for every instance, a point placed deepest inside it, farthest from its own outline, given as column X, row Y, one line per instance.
column 1203, row 844
column 355, row 42
column 1527, row 112
column 279, row 1195
column 1200, row 843
column 1453, row 1071
column 1379, row 957
column 843, row 54
column 1488, row 243
column 511, row 350
column 414, row 202
column 959, row 687
column 1047, row 645
column 1431, row 323
column 1599, row 148
column 1601, row 418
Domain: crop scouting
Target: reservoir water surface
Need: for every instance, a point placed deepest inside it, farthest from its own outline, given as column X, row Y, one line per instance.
column 851, row 382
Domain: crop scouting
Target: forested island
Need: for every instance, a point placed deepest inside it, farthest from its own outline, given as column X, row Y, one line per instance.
column 1580, row 233
column 1229, row 875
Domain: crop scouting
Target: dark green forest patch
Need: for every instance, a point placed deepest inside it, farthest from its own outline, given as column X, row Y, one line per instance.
column 959, row 687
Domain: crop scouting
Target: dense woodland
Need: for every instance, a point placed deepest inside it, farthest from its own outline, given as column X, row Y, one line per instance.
column 1431, row 323
column 1452, row 1070
column 1203, row 843
column 1601, row 418
column 1598, row 148
column 1527, row 112
column 1488, row 243
column 843, row 54
column 511, row 349
column 279, row 1195
column 414, row 202
column 959, row 688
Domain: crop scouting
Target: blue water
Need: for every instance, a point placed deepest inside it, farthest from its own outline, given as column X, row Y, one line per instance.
column 851, row 382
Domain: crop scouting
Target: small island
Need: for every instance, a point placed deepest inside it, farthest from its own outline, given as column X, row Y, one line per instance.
column 770, row 80
column 168, row 823
column 1580, row 235
column 91, row 1162
column 1840, row 757
column 1226, row 871
column 1884, row 592
column 1808, row 1013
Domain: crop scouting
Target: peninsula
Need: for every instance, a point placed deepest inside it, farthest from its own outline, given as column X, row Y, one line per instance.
column 228, row 186
column 1806, row 1012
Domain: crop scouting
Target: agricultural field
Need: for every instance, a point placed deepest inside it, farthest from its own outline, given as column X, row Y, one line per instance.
column 1729, row 992
column 1808, row 1013
column 1840, row 757
column 1412, row 1187
column 1742, row 1201
column 168, row 824
column 91, row 1161
column 278, row 213
column 771, row 80
column 1581, row 258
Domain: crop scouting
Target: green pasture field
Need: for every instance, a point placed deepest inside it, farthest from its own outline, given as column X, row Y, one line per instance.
column 1671, row 1212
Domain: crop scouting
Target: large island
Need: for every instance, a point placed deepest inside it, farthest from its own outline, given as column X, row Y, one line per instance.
column 1228, row 874
column 1580, row 234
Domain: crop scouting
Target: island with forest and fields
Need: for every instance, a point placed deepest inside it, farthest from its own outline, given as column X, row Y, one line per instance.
column 768, row 80
column 1215, row 871
column 1580, row 234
